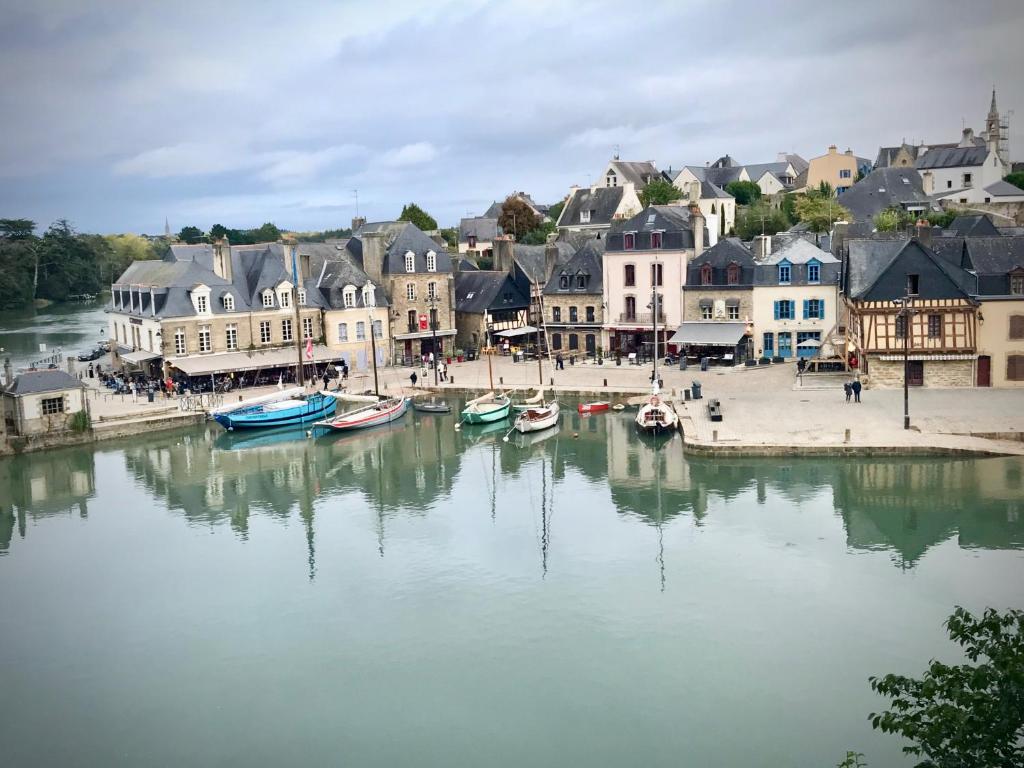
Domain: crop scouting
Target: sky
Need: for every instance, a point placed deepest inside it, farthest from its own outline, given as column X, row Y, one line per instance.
column 118, row 115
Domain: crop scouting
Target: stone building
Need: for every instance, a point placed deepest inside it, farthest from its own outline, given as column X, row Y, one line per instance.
column 488, row 303
column 40, row 402
column 573, row 302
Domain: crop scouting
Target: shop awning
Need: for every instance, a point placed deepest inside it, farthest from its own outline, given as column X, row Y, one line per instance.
column 422, row 334
column 709, row 334
column 205, row 365
column 809, row 344
column 139, row 356
column 511, row 332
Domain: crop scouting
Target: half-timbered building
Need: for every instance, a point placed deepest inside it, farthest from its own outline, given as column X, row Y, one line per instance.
column 938, row 334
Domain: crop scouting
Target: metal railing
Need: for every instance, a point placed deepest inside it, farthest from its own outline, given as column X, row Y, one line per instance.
column 640, row 318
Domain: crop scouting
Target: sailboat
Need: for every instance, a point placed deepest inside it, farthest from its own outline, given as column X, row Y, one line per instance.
column 278, row 409
column 537, row 418
column 487, row 409
column 656, row 415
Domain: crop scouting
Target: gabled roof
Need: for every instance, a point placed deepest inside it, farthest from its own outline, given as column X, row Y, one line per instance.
column 483, row 227
column 602, row 202
column 640, row 173
column 800, row 251
column 725, row 252
column 1003, row 188
column 412, row 238
column 532, row 259
column 995, row 255
column 799, row 164
column 657, row 218
column 953, row 157
column 885, row 188
column 713, row 191
column 872, row 271
column 485, row 291
column 587, row 261
column 974, row 225
column 757, row 170
column 41, row 382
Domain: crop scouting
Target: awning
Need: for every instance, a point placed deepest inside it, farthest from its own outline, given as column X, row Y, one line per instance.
column 809, row 344
column 205, row 365
column 139, row 356
column 516, row 331
column 732, row 302
column 709, row 334
column 422, row 335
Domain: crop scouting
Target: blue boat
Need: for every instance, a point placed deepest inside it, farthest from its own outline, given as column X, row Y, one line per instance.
column 294, row 408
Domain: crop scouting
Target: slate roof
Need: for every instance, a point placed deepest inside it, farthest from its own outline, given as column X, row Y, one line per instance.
column 1003, row 188
column 411, row 238
column 872, row 271
column 532, row 259
column 799, row 164
column 493, row 212
column 885, row 188
column 484, row 227
column 757, row 170
column 720, row 256
column 721, row 176
column 798, row 252
column 587, row 260
column 995, row 255
column 673, row 221
column 953, row 157
column 602, row 202
column 640, row 173
column 975, row 225
column 709, row 190
column 485, row 291
column 41, row 382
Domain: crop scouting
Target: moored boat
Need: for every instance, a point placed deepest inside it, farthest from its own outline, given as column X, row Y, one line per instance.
column 487, row 409
column 374, row 415
column 594, row 407
column 537, row 418
column 280, row 409
column 656, row 415
column 431, row 406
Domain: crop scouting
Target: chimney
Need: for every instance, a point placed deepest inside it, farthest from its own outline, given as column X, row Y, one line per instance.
column 8, row 372
column 967, row 140
column 697, row 223
column 357, row 222
column 923, row 232
column 288, row 247
column 928, row 183
column 502, row 253
column 222, row 258
column 832, row 149
column 782, row 157
column 839, row 232
column 762, row 247
column 550, row 260
column 693, row 192
column 373, row 256
column 848, row 152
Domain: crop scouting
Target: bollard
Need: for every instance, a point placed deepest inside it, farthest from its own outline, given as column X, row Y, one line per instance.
column 686, row 395
column 714, row 436
column 606, row 382
column 551, row 382
column 501, row 379
column 451, row 379
column 846, row 437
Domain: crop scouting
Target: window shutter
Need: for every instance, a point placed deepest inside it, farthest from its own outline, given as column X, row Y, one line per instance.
column 821, row 309
column 1017, row 326
column 776, row 310
column 807, row 308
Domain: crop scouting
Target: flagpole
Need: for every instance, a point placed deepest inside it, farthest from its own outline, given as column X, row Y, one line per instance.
column 300, row 379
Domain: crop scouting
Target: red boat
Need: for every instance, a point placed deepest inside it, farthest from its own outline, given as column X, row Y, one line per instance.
column 594, row 407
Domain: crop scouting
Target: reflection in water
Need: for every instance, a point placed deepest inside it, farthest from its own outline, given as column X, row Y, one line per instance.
column 212, row 478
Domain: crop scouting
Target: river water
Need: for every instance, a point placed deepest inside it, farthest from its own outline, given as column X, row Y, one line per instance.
column 72, row 328
column 418, row 595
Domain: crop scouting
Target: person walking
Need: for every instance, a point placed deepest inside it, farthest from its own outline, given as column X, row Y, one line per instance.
column 856, row 390
column 442, row 370
column 413, row 377
column 559, row 362
column 848, row 389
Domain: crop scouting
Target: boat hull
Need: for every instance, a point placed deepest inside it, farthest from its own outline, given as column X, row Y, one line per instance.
column 593, row 407
column 537, row 419
column 316, row 407
column 487, row 413
column 656, row 418
column 432, row 407
column 363, row 418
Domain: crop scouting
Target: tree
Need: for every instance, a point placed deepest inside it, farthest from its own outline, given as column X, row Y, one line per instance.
column 517, row 218
column 416, row 215
column 745, row 192
column 451, row 236
column 758, row 218
column 890, row 220
column 820, row 211
column 217, row 231
column 539, row 235
column 788, row 208
column 556, row 210
column 660, row 192
column 1017, row 179
column 17, row 229
column 190, row 235
column 268, row 233
column 968, row 714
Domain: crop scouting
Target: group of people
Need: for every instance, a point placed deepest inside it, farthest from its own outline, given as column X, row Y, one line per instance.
column 331, row 373
column 426, row 363
column 852, row 388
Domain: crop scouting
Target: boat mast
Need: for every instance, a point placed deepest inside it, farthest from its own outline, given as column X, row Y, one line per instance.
column 300, row 379
column 370, row 299
column 490, row 373
column 654, row 304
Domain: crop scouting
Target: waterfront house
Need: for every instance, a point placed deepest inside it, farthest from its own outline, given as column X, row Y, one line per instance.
column 476, row 236
column 488, row 303
column 531, row 266
column 795, row 300
column 41, row 402
column 942, row 333
column 573, row 302
column 648, row 252
column 594, row 209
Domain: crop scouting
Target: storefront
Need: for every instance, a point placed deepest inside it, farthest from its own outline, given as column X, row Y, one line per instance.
column 722, row 343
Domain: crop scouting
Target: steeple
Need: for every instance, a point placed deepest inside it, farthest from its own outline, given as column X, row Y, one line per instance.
column 993, row 111
column 167, row 227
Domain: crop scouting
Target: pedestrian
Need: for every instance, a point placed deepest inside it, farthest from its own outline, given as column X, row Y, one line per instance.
column 327, row 378
column 442, row 370
column 559, row 362
column 856, row 390
column 848, row 389
column 412, row 378
column 430, row 360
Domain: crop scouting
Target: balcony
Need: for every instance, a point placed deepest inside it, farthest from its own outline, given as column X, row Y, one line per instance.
column 641, row 318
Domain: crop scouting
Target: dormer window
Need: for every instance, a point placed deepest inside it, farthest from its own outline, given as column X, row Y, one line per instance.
column 431, row 261
column 229, row 303
column 655, row 240
column 348, row 296
column 268, row 298
column 581, row 281
column 1017, row 283
column 284, row 299
column 302, row 297
column 785, row 273
column 732, row 275
column 471, row 241
column 813, row 271
column 563, row 283
column 611, row 180
column 585, row 216
column 369, row 297
column 202, row 304
column 629, row 241
column 705, row 274
column 410, row 261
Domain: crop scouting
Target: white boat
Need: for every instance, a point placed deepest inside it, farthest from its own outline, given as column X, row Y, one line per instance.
column 656, row 415
column 537, row 418
column 374, row 415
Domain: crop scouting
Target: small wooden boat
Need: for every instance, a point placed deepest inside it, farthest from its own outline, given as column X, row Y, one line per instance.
column 374, row 415
column 537, row 419
column 487, row 409
column 431, row 406
column 656, row 416
column 594, row 407
column 279, row 409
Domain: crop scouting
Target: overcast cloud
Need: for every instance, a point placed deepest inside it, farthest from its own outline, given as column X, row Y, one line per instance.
column 117, row 114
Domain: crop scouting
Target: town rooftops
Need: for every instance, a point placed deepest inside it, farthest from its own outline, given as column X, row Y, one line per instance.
column 587, row 262
column 1003, row 188
column 483, row 228
column 953, row 157
column 886, row 188
column 871, row 276
column 484, row 291
column 41, row 382
column 532, row 259
column 974, row 225
column 600, row 203
column 640, row 173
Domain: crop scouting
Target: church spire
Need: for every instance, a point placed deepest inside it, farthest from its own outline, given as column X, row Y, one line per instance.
column 167, row 227
column 993, row 111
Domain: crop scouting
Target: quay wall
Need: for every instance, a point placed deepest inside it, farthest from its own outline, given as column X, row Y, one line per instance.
column 100, row 431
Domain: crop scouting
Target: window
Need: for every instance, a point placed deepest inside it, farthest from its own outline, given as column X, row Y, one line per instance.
column 967, row 179
column 369, row 295
column 431, row 291
column 611, row 180
column 785, row 273
column 734, row 311
column 1017, row 284
column 268, row 298
column 360, row 331
column 410, row 261
column 813, row 272
column 285, row 299
column 934, row 326
column 590, row 315
column 1017, row 326
column 814, row 309
column 769, row 345
column 412, row 320
column 231, row 337
column 913, row 283
column 901, row 326
column 706, row 275
column 179, row 341
column 378, row 329
column 433, row 320
column 307, row 328
column 574, row 341
column 431, row 261
column 844, row 173
column 585, row 216
column 204, row 338
column 563, row 283
column 286, row 329
column 302, row 297
column 229, row 303
column 949, row 184
column 733, row 274
column 629, row 275
column 705, row 312
column 52, row 405
column 556, row 314
column 202, row 305
column 657, row 273
column 630, row 308
column 342, row 331
column 573, row 315
column 264, row 331
column 629, row 241
column 556, row 341
column 581, row 281
column 655, row 240
column 410, row 291
column 784, row 310
column 348, row 296
column 1015, row 367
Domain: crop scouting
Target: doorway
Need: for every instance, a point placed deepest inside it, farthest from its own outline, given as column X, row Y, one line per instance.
column 915, row 373
column 984, row 371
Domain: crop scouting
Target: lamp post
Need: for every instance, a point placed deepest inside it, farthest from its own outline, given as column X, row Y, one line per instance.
column 432, row 300
column 904, row 313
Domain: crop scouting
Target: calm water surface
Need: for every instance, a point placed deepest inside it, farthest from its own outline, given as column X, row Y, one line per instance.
column 73, row 327
column 422, row 596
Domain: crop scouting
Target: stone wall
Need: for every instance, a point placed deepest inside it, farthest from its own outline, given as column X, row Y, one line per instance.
column 400, row 305
column 938, row 374
column 692, row 298
column 248, row 325
column 581, row 301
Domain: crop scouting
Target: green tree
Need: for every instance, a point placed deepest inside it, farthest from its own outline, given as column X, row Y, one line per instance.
column 1017, row 179
column 539, row 235
column 820, row 211
column 761, row 217
column 217, row 231
column 824, row 190
column 745, row 192
column 190, row 235
column 659, row 192
column 517, row 218
column 943, row 218
column 788, row 208
column 556, row 210
column 967, row 715
column 17, row 229
column 268, row 233
column 890, row 220
column 19, row 250
column 416, row 215
column 451, row 236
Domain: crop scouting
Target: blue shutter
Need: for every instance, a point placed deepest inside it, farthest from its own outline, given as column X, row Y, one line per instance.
column 821, row 309
column 807, row 308
column 776, row 310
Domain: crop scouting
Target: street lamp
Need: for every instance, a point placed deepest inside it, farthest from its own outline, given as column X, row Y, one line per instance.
column 432, row 301
column 904, row 313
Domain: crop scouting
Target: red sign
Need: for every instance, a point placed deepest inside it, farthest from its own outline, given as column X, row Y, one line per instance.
column 423, row 322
